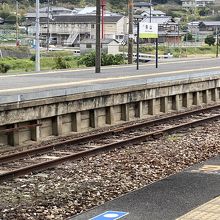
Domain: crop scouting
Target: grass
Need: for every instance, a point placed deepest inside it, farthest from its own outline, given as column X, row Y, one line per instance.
column 28, row 65
column 49, row 59
column 181, row 51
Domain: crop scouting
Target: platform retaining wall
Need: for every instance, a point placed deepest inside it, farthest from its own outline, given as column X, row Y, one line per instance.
column 35, row 120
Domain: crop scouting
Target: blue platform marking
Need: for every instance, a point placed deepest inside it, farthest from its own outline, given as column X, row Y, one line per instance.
column 110, row 215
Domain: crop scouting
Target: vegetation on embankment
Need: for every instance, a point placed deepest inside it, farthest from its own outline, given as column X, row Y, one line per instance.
column 65, row 60
column 181, row 51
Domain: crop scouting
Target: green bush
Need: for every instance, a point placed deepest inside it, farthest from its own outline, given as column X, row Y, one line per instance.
column 119, row 59
column 210, row 40
column 87, row 60
column 60, row 63
column 18, row 64
column 106, row 59
column 188, row 37
column 4, row 67
column 32, row 58
column 69, row 58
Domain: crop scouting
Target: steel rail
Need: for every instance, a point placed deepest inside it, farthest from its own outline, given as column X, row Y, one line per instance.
column 49, row 164
column 62, row 144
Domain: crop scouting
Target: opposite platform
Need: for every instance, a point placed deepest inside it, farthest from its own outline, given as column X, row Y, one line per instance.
column 30, row 86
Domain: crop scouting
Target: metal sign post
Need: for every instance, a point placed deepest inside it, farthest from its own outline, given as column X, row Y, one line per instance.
column 37, row 43
column 156, row 55
column 138, row 39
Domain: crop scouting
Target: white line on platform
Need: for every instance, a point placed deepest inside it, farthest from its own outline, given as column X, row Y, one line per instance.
column 104, row 68
column 105, row 79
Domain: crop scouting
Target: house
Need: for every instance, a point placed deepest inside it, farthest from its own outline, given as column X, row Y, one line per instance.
column 196, row 3
column 109, row 46
column 201, row 29
column 209, row 28
column 70, row 29
column 168, row 29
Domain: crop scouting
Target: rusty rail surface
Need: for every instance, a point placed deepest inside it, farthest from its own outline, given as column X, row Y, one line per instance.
column 74, row 156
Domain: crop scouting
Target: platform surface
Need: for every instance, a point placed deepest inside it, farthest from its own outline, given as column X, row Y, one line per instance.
column 193, row 194
column 28, row 86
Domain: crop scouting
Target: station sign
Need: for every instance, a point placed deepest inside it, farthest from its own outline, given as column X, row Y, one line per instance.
column 148, row 30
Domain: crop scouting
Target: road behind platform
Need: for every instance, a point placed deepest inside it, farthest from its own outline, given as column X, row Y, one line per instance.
column 172, row 197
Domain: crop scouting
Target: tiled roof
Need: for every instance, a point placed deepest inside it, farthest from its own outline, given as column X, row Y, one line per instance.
column 211, row 23
column 84, row 18
column 89, row 19
column 158, row 19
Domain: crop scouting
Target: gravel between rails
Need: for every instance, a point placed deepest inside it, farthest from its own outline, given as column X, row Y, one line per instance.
column 74, row 187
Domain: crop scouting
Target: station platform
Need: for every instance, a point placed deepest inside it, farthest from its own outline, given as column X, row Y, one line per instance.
column 193, row 194
column 31, row 86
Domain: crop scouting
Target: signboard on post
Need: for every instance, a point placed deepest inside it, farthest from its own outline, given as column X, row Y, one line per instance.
column 148, row 30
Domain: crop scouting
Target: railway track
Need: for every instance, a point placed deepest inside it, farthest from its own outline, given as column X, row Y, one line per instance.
column 25, row 162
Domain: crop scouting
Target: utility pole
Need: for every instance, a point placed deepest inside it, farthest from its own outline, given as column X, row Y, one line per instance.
column 37, row 43
column 216, row 42
column 48, row 23
column 103, row 4
column 17, row 42
column 138, row 41
column 130, row 32
column 98, row 41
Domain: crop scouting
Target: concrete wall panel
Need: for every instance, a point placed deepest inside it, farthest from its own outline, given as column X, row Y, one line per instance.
column 46, row 128
column 85, row 120
column 67, row 123
column 25, row 133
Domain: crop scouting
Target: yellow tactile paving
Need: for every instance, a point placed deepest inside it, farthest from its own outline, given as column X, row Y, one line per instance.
column 214, row 169
column 207, row 211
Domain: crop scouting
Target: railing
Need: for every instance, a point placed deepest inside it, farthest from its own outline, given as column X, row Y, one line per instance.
column 148, row 57
column 72, row 37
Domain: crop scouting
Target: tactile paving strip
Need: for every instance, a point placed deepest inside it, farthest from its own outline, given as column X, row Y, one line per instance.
column 207, row 211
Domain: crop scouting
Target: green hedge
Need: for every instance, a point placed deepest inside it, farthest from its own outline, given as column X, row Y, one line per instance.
column 106, row 59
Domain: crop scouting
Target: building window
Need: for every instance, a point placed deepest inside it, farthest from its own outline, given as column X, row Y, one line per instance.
column 88, row 45
column 92, row 26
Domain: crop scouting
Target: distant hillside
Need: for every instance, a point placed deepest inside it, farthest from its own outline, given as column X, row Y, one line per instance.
column 114, row 3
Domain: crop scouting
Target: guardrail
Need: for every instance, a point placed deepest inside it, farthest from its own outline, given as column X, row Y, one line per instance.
column 148, row 57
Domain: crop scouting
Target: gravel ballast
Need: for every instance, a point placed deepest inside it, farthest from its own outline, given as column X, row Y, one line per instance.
column 76, row 186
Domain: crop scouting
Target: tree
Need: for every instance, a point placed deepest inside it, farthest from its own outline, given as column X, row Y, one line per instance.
column 210, row 40
column 188, row 37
